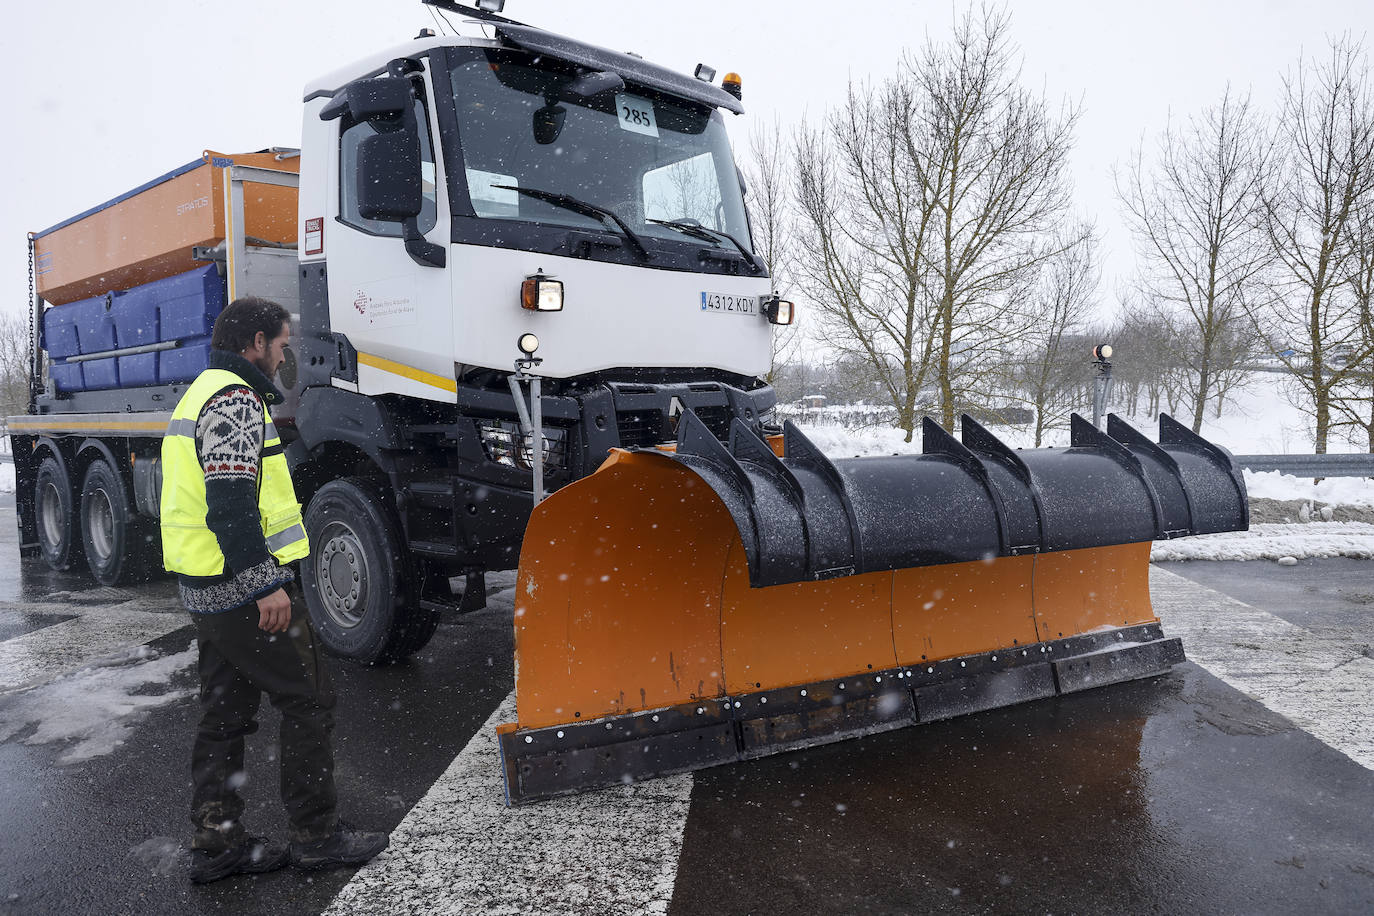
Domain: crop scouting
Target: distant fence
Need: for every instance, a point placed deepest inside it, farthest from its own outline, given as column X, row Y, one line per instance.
column 1352, row 465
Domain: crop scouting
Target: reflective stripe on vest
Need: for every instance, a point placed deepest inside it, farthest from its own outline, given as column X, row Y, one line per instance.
column 189, row 547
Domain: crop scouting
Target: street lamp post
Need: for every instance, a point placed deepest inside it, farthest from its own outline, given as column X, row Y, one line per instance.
column 1102, row 380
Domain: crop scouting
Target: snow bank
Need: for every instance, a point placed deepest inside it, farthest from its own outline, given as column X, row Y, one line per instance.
column 838, row 442
column 1334, row 491
column 1272, row 542
column 98, row 706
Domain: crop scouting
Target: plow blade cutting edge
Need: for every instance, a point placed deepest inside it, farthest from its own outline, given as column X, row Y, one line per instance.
column 677, row 610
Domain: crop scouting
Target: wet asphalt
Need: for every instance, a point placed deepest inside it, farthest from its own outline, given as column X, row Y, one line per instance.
column 1173, row 795
column 108, row 835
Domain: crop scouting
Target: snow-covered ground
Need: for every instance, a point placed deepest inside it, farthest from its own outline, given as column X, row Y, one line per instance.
column 1333, row 491
column 1258, row 420
column 97, row 707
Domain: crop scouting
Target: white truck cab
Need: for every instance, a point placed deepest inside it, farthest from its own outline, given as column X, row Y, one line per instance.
column 455, row 195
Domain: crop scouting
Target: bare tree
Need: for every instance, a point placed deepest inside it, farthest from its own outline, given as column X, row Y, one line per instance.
column 1052, row 363
column 862, row 224
column 994, row 159
column 925, row 203
column 14, row 364
column 1195, row 217
column 1352, row 401
column 1146, row 359
column 1311, row 208
column 767, row 172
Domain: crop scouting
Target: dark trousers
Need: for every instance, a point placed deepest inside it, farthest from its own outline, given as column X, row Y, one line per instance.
column 238, row 663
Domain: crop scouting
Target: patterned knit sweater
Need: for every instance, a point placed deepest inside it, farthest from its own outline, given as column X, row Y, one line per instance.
column 229, row 441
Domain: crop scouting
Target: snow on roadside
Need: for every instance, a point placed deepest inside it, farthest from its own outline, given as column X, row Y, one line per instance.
column 1274, row 541
column 7, row 477
column 1334, row 491
column 97, row 706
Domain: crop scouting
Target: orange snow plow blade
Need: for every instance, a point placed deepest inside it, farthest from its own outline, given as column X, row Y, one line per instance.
column 683, row 610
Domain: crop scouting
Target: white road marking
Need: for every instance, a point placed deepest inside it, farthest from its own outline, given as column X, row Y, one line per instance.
column 461, row 850
column 1323, row 684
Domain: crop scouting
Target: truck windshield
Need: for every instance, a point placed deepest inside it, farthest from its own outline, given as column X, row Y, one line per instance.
column 649, row 158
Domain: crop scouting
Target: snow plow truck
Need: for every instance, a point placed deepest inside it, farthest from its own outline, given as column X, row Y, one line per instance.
column 696, row 584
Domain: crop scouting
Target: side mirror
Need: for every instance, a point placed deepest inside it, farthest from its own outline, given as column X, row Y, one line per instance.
column 389, row 180
column 366, row 100
column 548, row 123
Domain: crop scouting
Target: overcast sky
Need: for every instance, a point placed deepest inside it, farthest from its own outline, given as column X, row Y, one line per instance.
column 114, row 94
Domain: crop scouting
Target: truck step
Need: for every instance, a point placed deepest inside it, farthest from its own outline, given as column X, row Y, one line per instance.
column 434, row 548
column 437, row 493
column 447, row 430
column 473, row 598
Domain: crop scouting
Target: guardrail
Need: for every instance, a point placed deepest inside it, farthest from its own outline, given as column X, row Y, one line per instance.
column 1344, row 465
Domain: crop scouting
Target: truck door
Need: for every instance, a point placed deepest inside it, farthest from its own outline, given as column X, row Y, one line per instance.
column 394, row 310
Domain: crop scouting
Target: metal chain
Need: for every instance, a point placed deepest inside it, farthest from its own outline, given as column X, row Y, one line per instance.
column 33, row 328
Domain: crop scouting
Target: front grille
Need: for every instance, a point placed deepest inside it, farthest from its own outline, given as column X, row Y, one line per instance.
column 717, row 420
column 644, row 428
column 639, row 428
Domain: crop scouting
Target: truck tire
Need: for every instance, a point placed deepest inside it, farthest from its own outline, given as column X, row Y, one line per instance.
column 118, row 542
column 59, row 540
column 358, row 579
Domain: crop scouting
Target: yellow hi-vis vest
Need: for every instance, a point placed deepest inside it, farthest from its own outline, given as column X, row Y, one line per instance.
column 188, row 546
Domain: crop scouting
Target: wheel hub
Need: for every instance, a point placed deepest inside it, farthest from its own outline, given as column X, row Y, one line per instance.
column 341, row 567
column 100, row 524
column 50, row 513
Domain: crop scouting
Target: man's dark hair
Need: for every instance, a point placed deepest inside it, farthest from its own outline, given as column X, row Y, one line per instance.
column 238, row 325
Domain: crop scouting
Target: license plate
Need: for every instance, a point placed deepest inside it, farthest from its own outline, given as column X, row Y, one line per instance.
column 728, row 303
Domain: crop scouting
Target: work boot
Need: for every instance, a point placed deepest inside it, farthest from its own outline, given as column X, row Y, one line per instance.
column 345, row 846
column 251, row 855
column 217, row 839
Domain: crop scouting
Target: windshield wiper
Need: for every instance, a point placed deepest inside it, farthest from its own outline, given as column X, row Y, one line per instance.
column 595, row 211
column 696, row 230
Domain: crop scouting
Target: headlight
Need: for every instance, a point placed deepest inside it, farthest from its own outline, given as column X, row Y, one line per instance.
column 505, row 444
column 541, row 293
column 779, row 311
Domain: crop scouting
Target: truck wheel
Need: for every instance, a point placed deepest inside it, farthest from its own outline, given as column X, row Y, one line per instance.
column 358, row 581
column 116, row 539
column 58, row 539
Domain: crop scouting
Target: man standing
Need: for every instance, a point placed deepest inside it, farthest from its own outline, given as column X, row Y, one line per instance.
column 230, row 522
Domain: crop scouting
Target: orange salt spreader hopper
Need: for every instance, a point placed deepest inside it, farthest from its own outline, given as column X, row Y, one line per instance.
column 682, row 609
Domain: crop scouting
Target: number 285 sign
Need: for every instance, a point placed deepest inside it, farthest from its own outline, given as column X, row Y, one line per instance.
column 636, row 114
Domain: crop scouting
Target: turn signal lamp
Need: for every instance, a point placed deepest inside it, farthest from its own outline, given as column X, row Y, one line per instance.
column 779, row 311
column 541, row 293
column 732, row 85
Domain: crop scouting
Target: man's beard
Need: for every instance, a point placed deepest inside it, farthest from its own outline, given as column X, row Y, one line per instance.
column 265, row 366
